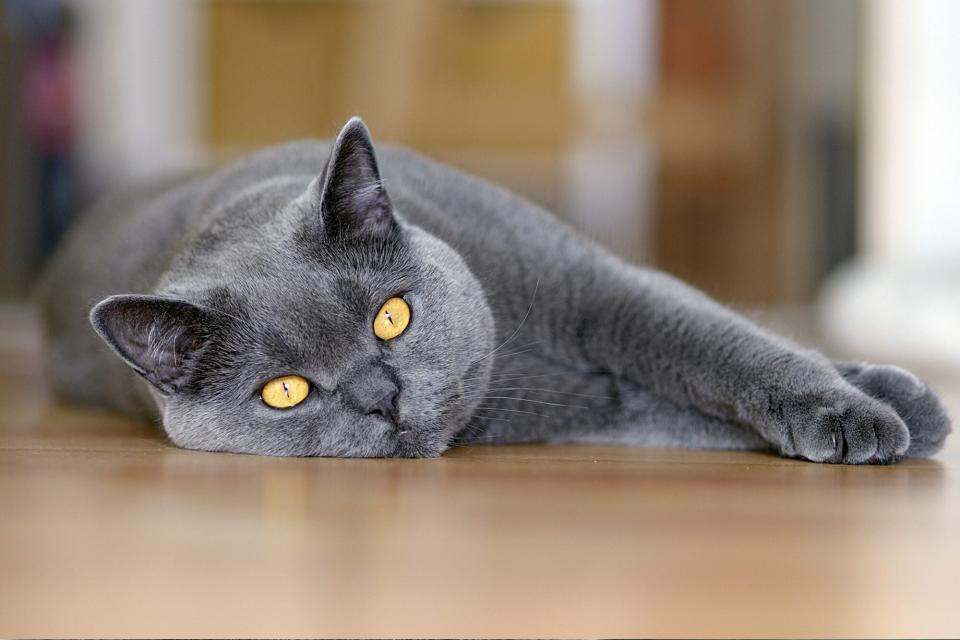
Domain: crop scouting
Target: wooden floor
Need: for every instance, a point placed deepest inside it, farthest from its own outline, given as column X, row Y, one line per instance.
column 105, row 530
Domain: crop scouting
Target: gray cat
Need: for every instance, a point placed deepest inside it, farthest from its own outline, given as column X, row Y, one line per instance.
column 263, row 309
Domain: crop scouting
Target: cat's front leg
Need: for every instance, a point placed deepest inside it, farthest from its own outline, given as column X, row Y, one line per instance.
column 670, row 338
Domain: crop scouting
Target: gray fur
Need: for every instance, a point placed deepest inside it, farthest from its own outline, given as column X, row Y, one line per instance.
column 522, row 330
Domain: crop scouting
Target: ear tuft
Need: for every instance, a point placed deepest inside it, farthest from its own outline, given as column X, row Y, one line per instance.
column 160, row 338
column 352, row 197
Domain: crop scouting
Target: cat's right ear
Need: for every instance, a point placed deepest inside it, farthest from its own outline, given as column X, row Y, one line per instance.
column 160, row 338
column 349, row 194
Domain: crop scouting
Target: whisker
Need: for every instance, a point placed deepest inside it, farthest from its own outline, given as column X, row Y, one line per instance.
column 553, row 404
column 565, row 393
column 473, row 440
column 513, row 353
column 471, row 430
column 516, row 374
column 503, row 377
column 520, row 326
column 528, row 344
column 532, row 413
column 492, row 418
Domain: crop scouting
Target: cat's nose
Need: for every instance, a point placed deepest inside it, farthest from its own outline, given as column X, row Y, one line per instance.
column 373, row 391
column 386, row 406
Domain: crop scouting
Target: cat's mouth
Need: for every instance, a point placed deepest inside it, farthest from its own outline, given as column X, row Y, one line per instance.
column 428, row 436
column 430, row 439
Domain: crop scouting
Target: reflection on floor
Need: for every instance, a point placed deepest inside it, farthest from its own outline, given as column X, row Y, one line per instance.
column 108, row 531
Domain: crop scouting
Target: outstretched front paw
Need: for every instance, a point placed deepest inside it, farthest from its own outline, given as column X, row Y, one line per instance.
column 913, row 400
column 842, row 424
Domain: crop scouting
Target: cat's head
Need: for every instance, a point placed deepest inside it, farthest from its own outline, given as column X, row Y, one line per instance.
column 334, row 328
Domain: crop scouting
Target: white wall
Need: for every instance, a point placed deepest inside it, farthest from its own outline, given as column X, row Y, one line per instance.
column 139, row 86
column 912, row 146
column 610, row 163
column 902, row 300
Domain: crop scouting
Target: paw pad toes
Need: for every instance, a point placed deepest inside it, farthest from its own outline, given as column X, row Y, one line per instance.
column 862, row 432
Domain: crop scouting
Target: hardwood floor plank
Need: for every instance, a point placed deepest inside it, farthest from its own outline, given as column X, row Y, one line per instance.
column 105, row 530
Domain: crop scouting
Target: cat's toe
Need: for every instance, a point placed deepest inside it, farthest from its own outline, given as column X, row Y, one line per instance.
column 850, row 429
column 913, row 400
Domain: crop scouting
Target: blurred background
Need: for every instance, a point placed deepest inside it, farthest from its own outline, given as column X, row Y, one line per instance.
column 793, row 155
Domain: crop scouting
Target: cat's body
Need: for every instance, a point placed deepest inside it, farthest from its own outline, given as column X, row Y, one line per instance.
column 521, row 330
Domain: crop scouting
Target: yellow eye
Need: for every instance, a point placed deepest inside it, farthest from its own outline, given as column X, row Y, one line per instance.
column 285, row 391
column 392, row 319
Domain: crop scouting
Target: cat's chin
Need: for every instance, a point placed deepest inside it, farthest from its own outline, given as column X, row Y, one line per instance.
column 428, row 439
column 415, row 443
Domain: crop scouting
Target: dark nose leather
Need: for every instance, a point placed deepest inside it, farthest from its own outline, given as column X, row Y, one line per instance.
column 385, row 406
column 373, row 392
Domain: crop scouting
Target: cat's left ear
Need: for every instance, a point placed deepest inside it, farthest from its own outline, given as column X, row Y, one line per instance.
column 351, row 194
column 161, row 339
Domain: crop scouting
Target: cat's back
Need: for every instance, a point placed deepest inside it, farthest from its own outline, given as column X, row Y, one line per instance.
column 120, row 245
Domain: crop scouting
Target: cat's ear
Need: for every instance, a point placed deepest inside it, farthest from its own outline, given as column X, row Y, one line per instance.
column 350, row 192
column 160, row 338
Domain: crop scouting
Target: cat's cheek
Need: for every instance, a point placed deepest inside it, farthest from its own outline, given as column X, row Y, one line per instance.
column 188, row 433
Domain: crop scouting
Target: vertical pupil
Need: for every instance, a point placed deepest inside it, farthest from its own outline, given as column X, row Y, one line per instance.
column 389, row 317
column 286, row 389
